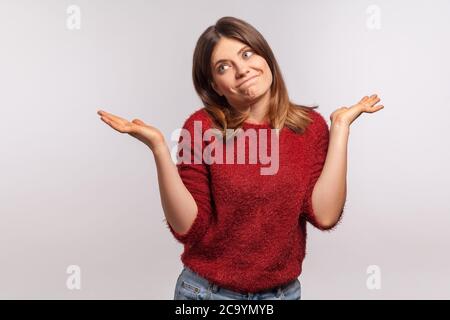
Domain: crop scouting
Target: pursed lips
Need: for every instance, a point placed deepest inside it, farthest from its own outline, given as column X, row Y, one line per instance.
column 247, row 80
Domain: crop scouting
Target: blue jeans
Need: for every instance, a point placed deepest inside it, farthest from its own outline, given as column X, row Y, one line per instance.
column 192, row 286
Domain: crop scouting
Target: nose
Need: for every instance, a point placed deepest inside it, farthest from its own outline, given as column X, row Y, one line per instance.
column 241, row 69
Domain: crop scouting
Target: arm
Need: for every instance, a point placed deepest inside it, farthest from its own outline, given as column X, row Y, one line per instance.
column 330, row 191
column 185, row 188
column 184, row 192
column 328, row 186
column 177, row 202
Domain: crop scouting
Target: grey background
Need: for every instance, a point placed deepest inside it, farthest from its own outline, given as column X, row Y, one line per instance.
column 75, row 192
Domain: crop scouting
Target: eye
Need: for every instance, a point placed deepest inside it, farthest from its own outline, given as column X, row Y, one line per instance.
column 220, row 68
column 250, row 51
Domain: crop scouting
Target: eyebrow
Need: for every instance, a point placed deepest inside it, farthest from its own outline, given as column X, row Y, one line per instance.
column 238, row 53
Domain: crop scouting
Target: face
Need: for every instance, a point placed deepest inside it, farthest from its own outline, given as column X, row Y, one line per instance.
column 239, row 74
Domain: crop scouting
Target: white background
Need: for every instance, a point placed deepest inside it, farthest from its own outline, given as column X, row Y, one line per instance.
column 75, row 192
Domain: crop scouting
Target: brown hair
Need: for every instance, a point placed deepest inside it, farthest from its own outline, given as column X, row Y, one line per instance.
column 282, row 112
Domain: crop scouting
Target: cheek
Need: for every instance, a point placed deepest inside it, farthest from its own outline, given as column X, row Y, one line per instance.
column 221, row 85
column 229, row 85
column 269, row 77
column 264, row 67
column 226, row 83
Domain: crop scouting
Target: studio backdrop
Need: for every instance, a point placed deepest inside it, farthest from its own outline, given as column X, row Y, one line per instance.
column 81, row 201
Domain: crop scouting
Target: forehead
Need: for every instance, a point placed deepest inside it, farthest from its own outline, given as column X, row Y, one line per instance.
column 226, row 48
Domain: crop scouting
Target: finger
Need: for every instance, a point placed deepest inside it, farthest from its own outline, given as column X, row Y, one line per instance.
column 374, row 100
column 370, row 102
column 139, row 122
column 108, row 121
column 112, row 116
column 375, row 109
column 379, row 107
column 116, row 126
column 102, row 113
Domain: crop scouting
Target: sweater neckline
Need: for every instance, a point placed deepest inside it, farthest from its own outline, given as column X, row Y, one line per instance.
column 264, row 124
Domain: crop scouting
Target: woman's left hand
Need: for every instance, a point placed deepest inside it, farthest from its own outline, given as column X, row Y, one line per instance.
column 345, row 115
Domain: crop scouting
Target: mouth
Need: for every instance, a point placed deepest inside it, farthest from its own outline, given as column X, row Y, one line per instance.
column 247, row 80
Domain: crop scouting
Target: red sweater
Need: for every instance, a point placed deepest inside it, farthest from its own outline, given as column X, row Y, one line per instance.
column 250, row 231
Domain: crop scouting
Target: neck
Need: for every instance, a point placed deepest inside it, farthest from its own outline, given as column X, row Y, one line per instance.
column 258, row 109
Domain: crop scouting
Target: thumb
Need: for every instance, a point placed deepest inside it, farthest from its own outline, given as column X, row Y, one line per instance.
column 137, row 121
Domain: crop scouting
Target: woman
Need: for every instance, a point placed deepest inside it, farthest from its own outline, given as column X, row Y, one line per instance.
column 244, row 232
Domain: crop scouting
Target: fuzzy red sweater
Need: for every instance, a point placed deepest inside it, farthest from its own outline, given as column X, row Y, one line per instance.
column 250, row 231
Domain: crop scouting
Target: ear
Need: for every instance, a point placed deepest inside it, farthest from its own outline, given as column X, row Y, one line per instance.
column 213, row 85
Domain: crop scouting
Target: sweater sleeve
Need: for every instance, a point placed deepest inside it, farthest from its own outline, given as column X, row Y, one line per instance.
column 319, row 135
column 196, row 178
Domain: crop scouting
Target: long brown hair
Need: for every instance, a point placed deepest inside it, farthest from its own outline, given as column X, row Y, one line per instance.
column 282, row 112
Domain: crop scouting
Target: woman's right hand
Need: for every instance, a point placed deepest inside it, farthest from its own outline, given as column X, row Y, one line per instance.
column 147, row 134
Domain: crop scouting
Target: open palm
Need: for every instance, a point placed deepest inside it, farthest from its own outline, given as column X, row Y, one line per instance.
column 145, row 133
column 346, row 115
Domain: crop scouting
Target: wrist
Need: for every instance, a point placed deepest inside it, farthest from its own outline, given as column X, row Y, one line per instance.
column 337, row 125
column 159, row 149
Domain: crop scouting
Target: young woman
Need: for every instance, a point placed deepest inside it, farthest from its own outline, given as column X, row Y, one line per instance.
column 244, row 231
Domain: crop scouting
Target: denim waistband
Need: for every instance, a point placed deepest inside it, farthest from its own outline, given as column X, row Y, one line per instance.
column 214, row 287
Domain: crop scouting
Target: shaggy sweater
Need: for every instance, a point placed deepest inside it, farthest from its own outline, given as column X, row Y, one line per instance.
column 249, row 234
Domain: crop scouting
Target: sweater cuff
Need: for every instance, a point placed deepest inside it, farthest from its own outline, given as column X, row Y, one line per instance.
column 195, row 232
column 311, row 216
